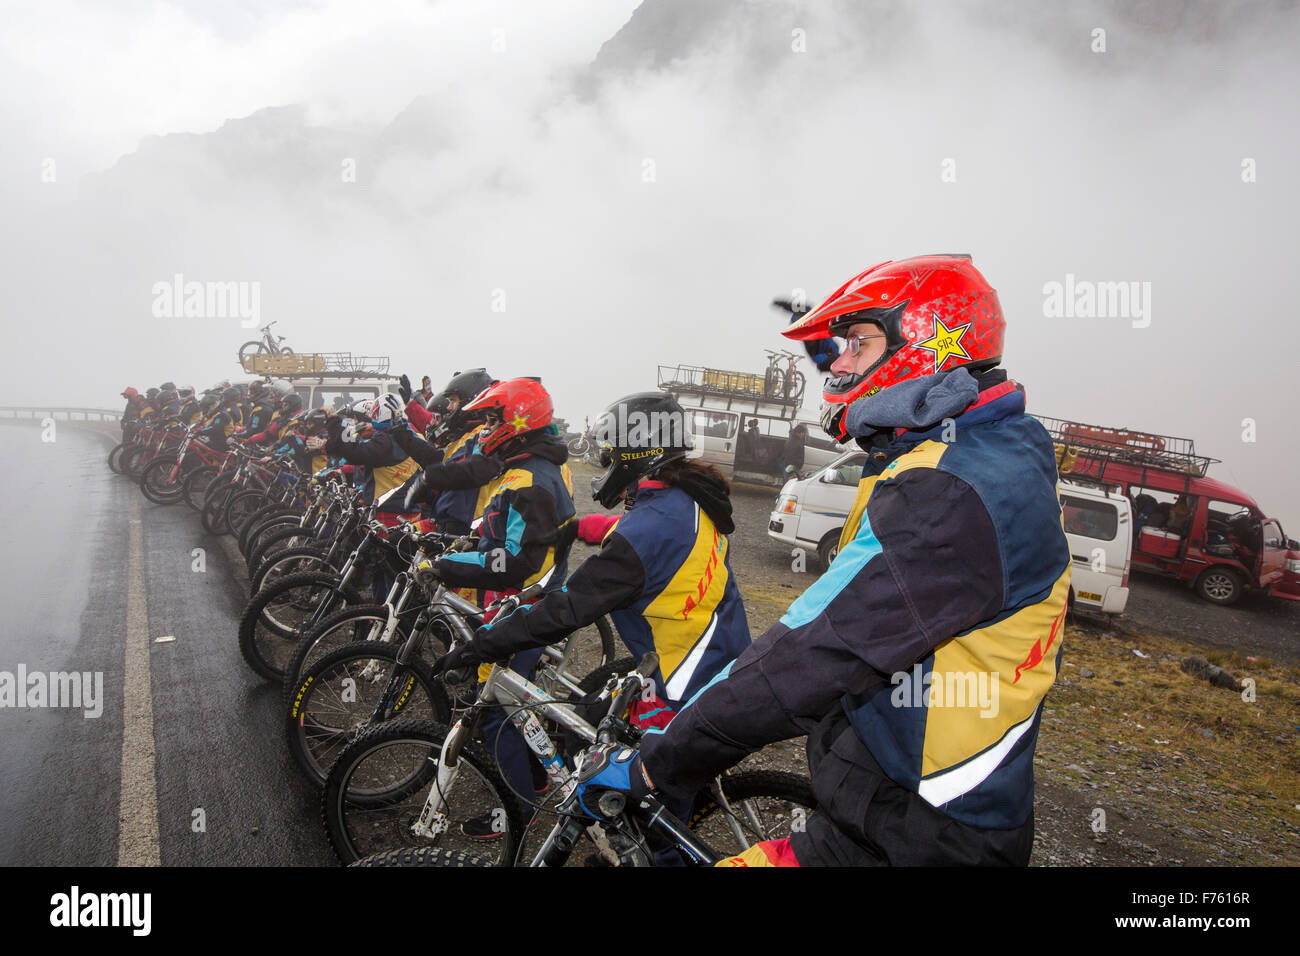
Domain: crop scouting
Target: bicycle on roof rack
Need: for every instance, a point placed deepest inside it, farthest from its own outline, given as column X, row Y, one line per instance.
column 265, row 346
column 787, row 383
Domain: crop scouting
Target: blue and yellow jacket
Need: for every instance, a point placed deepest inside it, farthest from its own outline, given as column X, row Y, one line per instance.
column 454, row 507
column 457, row 481
column 918, row 663
column 527, row 526
column 663, row 574
column 388, row 466
column 257, row 420
column 220, row 425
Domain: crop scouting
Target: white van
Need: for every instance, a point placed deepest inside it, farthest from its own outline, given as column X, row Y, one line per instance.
column 1098, row 521
column 337, row 391
column 745, row 440
column 810, row 511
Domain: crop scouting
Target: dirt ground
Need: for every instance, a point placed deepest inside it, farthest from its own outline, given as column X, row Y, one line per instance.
column 1137, row 763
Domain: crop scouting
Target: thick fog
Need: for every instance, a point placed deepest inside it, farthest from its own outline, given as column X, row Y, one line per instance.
column 584, row 191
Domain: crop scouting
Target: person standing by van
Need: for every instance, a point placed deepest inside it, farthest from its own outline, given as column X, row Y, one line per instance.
column 952, row 569
column 792, row 454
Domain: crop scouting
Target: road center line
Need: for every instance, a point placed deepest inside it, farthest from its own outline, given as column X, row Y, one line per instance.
column 137, row 837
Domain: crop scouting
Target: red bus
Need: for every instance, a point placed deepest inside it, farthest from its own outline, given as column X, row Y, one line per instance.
column 1185, row 525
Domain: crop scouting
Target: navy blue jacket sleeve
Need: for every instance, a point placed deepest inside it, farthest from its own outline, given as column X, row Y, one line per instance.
column 923, row 565
column 611, row 579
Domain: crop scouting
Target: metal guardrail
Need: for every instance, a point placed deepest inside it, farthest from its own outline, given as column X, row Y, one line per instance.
column 60, row 413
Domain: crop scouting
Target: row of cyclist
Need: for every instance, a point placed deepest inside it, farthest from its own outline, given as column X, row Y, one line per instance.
column 953, row 563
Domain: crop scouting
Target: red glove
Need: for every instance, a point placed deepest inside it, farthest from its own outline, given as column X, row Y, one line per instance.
column 593, row 529
column 418, row 416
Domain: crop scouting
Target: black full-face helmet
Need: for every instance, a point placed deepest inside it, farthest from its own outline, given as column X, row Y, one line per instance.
column 291, row 404
column 638, row 435
column 465, row 385
column 437, row 431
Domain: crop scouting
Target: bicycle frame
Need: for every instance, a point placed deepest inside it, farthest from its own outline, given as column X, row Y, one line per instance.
column 508, row 689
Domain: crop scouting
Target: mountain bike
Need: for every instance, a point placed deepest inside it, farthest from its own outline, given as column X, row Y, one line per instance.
column 265, row 346
column 578, row 447
column 379, row 666
column 162, row 481
column 404, row 786
column 786, row 383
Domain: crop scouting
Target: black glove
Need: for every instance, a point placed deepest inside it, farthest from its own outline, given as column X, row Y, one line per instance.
column 404, row 389
column 461, row 658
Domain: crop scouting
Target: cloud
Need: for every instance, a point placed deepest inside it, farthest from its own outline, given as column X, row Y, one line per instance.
column 632, row 216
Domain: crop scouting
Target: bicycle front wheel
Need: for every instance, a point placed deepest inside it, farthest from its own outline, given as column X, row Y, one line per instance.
column 764, row 805
column 343, row 628
column 115, row 457
column 377, row 788
column 157, row 483
column 348, row 690
column 423, row 856
column 274, row 618
column 195, row 485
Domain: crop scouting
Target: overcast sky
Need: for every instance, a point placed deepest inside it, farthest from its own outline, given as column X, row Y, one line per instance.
column 509, row 206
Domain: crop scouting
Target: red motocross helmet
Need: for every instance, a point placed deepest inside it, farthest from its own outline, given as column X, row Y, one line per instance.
column 937, row 312
column 512, row 407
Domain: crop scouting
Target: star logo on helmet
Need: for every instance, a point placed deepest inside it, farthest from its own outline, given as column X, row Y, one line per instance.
column 520, row 422
column 945, row 343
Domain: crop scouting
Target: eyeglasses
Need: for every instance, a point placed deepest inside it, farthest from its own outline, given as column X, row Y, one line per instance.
column 853, row 343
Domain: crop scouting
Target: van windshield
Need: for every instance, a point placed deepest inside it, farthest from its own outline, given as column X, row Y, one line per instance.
column 1091, row 519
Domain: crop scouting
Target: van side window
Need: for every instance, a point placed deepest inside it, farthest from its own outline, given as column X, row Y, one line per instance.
column 714, row 424
column 1091, row 519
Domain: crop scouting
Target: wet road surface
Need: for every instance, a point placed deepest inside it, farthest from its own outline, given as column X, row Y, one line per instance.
column 202, row 770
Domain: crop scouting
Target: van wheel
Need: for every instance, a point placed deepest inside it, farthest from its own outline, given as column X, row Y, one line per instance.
column 829, row 547
column 1219, row 585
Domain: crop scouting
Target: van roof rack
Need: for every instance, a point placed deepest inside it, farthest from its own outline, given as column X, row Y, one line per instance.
column 315, row 364
column 1102, row 445
column 700, row 380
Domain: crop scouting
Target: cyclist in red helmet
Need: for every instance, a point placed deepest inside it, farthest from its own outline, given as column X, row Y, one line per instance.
column 918, row 662
column 527, row 527
column 130, row 419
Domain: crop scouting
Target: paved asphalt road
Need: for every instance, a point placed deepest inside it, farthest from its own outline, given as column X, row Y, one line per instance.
column 71, row 572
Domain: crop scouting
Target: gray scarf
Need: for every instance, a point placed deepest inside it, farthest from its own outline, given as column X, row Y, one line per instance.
column 916, row 403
